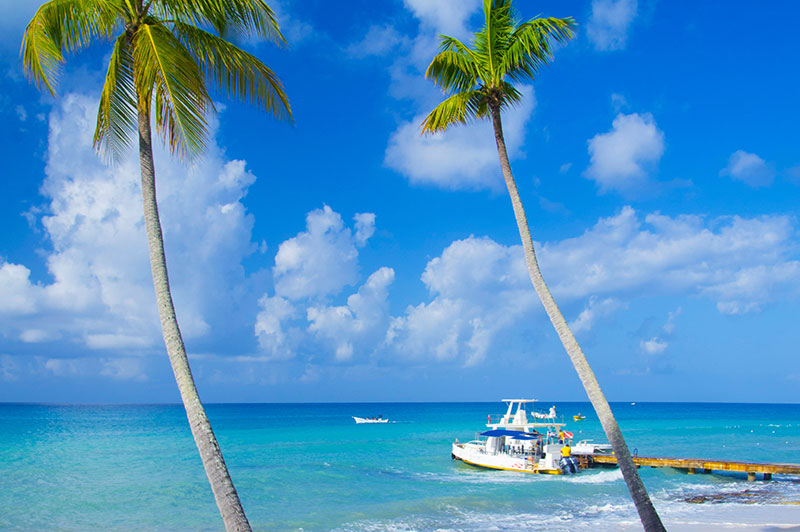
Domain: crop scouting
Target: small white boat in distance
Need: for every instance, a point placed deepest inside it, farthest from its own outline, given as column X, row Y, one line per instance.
column 379, row 419
column 515, row 444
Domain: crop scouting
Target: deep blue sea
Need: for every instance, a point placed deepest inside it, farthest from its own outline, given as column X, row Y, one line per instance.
column 309, row 467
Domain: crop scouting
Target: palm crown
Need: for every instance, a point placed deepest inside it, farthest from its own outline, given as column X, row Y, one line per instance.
column 163, row 51
column 479, row 77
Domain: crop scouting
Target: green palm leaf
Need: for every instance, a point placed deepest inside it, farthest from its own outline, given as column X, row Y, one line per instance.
column 166, row 72
column 117, row 115
column 235, row 71
column 460, row 108
column 530, row 46
column 161, row 58
column 454, row 70
column 227, row 17
column 63, row 26
column 503, row 52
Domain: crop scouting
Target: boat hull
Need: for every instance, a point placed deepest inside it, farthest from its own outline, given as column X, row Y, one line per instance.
column 360, row 420
column 474, row 456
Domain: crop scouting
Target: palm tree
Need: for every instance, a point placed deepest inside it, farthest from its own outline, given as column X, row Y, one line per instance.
column 478, row 79
column 163, row 50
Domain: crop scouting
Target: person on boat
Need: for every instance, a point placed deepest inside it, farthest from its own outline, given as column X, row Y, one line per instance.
column 568, row 464
column 552, row 412
column 560, row 436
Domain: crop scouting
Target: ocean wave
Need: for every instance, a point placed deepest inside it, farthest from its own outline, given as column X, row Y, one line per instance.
column 464, row 521
column 594, row 478
column 612, row 516
column 481, row 477
column 564, row 517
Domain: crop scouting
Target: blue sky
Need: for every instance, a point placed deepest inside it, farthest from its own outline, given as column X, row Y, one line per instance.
column 347, row 258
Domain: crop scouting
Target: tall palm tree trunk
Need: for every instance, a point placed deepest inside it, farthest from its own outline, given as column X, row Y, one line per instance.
column 647, row 513
column 221, row 484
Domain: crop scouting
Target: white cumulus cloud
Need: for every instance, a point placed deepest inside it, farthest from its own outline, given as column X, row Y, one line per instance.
column 99, row 293
column 479, row 288
column 465, row 156
column 19, row 294
column 360, row 323
column 594, row 310
column 741, row 263
column 610, row 22
column 480, row 299
column 443, row 16
column 310, row 269
column 653, row 346
column 622, row 157
column 272, row 327
column 748, row 168
column 323, row 259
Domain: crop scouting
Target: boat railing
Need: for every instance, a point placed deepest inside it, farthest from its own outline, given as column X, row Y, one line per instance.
column 534, row 416
column 507, row 452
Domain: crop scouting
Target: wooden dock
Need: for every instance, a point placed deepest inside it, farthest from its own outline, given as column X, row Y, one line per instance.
column 694, row 465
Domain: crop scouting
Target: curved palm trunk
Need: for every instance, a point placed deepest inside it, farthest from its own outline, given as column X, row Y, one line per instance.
column 647, row 513
column 221, row 484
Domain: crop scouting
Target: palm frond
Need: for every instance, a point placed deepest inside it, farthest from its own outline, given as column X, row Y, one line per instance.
column 460, row 108
column 492, row 40
column 454, row 70
column 117, row 114
column 509, row 95
column 60, row 26
column 227, row 17
column 478, row 78
column 531, row 45
column 451, row 43
column 235, row 71
column 166, row 73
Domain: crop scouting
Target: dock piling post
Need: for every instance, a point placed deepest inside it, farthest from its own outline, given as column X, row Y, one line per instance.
column 751, row 476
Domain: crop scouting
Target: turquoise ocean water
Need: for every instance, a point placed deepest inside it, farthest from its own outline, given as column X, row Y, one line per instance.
column 309, row 467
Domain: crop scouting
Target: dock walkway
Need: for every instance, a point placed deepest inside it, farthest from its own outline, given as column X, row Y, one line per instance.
column 694, row 465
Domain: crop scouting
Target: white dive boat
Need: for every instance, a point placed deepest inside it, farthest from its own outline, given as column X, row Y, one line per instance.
column 379, row 419
column 524, row 440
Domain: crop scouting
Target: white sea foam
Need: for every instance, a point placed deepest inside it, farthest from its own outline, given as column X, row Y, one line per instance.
column 480, row 477
column 594, row 478
column 606, row 510
column 676, row 517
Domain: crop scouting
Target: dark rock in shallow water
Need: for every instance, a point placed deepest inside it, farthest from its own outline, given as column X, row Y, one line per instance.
column 739, row 497
column 700, row 499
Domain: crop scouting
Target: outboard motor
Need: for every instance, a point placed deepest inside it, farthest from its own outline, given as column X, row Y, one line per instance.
column 569, row 465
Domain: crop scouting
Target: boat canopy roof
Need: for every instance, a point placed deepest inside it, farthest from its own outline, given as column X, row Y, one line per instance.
column 515, row 434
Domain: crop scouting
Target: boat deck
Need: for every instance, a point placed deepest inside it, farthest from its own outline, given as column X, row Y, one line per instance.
column 696, row 465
